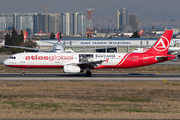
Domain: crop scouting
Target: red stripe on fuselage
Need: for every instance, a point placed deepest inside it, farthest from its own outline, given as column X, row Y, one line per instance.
column 124, row 58
column 36, row 66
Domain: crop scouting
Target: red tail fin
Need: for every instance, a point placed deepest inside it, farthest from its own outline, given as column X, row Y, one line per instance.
column 162, row 44
column 25, row 36
column 57, row 35
column 141, row 32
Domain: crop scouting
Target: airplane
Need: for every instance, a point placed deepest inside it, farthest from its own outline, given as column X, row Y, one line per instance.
column 175, row 31
column 78, row 62
column 141, row 32
column 130, row 34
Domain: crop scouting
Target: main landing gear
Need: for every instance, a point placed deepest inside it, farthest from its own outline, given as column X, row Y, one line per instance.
column 88, row 73
column 23, row 72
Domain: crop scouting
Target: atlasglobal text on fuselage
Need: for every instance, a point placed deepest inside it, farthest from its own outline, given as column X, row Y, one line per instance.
column 78, row 62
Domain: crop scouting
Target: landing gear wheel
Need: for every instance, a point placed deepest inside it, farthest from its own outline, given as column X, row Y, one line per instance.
column 23, row 73
column 88, row 73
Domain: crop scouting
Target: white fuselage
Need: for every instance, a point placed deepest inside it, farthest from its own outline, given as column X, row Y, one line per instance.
column 53, row 60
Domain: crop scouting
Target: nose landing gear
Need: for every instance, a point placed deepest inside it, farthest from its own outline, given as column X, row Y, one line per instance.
column 23, row 72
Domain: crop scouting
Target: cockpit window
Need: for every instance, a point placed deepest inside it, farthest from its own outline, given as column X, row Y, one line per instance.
column 12, row 57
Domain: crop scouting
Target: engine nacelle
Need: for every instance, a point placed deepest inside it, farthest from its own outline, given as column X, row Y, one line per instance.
column 178, row 55
column 72, row 69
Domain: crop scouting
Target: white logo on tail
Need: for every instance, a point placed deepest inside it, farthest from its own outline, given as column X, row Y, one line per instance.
column 162, row 44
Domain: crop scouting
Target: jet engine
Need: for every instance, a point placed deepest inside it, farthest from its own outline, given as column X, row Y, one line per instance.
column 72, row 69
column 178, row 56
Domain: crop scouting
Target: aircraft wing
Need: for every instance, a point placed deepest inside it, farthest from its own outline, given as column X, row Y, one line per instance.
column 28, row 48
column 89, row 64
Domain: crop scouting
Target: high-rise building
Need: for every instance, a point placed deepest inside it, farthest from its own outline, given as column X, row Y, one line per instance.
column 67, row 24
column 23, row 22
column 6, row 22
column 122, row 18
column 118, row 19
column 80, row 24
column 70, row 23
column 133, row 21
column 57, row 22
column 16, row 21
column 26, row 22
column 47, row 23
column 37, row 22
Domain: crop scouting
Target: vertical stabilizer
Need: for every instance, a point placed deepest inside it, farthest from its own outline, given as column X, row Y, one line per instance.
column 162, row 44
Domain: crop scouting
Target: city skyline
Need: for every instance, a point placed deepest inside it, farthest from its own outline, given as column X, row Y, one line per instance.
column 153, row 12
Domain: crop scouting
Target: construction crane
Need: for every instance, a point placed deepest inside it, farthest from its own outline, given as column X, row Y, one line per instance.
column 42, row 7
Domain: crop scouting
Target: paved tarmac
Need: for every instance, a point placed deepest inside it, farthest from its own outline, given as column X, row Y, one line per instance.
column 94, row 77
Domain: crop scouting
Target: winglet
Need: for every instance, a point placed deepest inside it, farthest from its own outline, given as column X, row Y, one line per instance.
column 162, row 44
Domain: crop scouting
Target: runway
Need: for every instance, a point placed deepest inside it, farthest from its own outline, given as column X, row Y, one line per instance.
column 94, row 77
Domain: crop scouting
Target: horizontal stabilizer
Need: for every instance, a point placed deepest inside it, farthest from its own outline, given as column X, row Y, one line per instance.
column 162, row 57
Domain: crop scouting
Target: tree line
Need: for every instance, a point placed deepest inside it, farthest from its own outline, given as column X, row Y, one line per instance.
column 14, row 39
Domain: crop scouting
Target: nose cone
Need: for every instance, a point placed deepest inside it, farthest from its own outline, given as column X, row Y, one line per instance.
column 5, row 62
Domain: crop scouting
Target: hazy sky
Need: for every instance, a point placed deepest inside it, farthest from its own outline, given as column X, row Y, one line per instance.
column 104, row 9
column 153, row 8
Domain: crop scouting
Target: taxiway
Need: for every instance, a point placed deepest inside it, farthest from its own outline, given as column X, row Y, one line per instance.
column 94, row 77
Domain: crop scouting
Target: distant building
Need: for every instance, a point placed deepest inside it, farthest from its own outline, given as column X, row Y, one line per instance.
column 57, row 22
column 46, row 23
column 6, row 21
column 126, row 28
column 133, row 21
column 80, row 24
column 122, row 18
column 26, row 23
column 30, row 22
column 73, row 24
column 67, row 24
column 118, row 19
column 37, row 22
